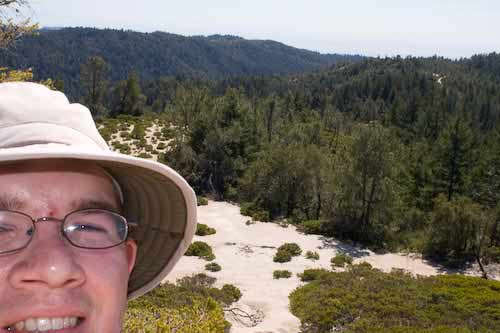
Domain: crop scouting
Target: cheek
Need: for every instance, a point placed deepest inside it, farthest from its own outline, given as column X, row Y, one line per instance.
column 106, row 282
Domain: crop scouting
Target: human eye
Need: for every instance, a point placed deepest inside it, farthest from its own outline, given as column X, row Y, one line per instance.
column 87, row 227
column 4, row 228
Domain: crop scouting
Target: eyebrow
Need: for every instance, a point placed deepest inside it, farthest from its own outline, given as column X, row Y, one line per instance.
column 94, row 204
column 11, row 202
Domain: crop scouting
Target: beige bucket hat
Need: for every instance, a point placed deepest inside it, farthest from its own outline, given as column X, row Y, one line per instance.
column 39, row 123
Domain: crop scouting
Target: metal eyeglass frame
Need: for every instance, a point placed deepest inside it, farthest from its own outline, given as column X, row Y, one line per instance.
column 128, row 226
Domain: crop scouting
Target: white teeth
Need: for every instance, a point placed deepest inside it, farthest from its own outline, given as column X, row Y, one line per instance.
column 19, row 326
column 30, row 324
column 45, row 324
column 57, row 323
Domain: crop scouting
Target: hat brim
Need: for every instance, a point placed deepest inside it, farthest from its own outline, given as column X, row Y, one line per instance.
column 155, row 197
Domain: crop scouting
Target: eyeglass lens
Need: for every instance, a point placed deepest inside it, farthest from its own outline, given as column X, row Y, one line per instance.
column 89, row 228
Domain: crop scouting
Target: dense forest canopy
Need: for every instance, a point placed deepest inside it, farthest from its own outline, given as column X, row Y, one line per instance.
column 59, row 53
column 393, row 153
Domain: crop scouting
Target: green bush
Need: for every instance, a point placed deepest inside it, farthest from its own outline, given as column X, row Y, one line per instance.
column 366, row 300
column 178, row 308
column 201, row 201
column 282, row 274
column 230, row 293
column 201, row 250
column 292, row 248
column 311, row 227
column 149, row 148
column 161, row 146
column 286, row 251
column 248, row 208
column 257, row 214
column 340, row 260
column 312, row 274
column 145, row 155
column 282, row 256
column 492, row 255
column 313, row 255
column 213, row 267
column 168, row 132
column 125, row 149
column 204, row 230
column 139, row 132
column 261, row 216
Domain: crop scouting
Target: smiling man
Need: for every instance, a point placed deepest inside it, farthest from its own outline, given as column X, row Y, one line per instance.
column 82, row 229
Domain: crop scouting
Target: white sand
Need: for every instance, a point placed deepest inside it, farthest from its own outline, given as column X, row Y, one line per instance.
column 248, row 264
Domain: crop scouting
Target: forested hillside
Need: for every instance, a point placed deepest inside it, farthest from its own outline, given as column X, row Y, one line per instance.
column 393, row 153
column 59, row 53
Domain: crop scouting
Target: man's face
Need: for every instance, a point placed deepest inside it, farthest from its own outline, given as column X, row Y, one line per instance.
column 50, row 278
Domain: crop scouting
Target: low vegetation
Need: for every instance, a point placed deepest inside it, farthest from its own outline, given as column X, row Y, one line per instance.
column 366, row 300
column 311, row 227
column 252, row 210
column 312, row 274
column 201, row 201
column 204, row 230
column 213, row 267
column 286, row 251
column 313, row 255
column 192, row 305
column 340, row 260
column 281, row 274
column 201, row 250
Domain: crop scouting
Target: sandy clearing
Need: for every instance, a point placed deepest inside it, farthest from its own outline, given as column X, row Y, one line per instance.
column 245, row 253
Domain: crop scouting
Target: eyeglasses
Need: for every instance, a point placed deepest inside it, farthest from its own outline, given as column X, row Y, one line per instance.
column 86, row 228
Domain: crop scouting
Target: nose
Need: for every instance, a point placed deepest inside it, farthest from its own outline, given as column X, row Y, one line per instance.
column 48, row 262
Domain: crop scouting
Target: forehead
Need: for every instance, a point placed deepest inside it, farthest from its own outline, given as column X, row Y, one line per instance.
column 63, row 181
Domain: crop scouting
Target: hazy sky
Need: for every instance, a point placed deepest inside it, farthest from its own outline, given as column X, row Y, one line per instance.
column 450, row 28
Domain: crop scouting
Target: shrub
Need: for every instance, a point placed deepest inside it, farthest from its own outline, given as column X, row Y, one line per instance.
column 282, row 256
column 149, row 148
column 201, row 201
column 139, row 132
column 292, row 248
column 168, row 132
column 204, row 230
column 231, row 293
column 492, row 255
column 124, row 149
column 170, row 308
column 248, row 208
column 313, row 255
column 312, row 274
column 201, row 250
column 145, row 155
column 261, row 216
column 311, row 227
column 340, row 260
column 366, row 300
column 286, row 251
column 213, row 267
column 282, row 274
column 161, row 146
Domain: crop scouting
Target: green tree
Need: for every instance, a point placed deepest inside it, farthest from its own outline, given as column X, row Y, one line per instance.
column 128, row 97
column 460, row 229
column 365, row 199
column 453, row 158
column 93, row 79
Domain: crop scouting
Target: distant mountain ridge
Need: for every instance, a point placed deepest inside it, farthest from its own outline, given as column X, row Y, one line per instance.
column 58, row 53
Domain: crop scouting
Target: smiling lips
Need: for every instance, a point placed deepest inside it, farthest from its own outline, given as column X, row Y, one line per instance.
column 44, row 324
